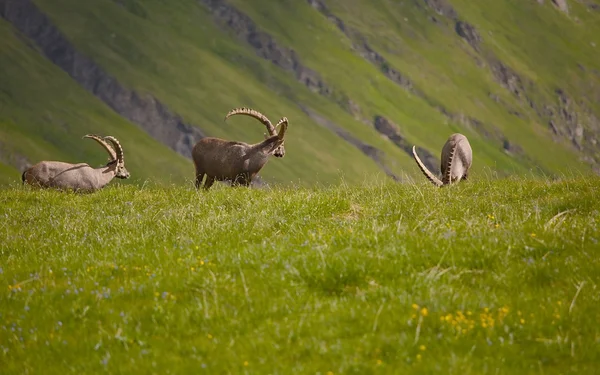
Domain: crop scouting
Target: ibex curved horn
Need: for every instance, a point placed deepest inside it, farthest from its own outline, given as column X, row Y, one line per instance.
column 281, row 121
column 97, row 138
column 117, row 146
column 284, row 124
column 253, row 113
column 436, row 181
column 448, row 175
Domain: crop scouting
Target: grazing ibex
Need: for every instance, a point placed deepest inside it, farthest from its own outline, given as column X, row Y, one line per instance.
column 233, row 161
column 79, row 177
column 457, row 157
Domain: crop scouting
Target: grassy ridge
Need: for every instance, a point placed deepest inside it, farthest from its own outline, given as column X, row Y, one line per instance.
column 495, row 275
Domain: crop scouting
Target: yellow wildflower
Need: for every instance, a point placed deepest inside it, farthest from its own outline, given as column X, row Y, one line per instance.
column 422, row 348
column 415, row 306
column 424, row 311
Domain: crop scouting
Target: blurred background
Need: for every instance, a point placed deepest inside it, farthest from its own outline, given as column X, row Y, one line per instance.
column 361, row 82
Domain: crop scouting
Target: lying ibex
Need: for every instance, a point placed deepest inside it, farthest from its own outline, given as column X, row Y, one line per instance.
column 457, row 157
column 79, row 177
column 233, row 161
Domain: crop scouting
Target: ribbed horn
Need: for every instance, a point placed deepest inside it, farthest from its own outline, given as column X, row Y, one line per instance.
column 117, row 146
column 284, row 124
column 448, row 175
column 253, row 113
column 436, row 181
column 97, row 138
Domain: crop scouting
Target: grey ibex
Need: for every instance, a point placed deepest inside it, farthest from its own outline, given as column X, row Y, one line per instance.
column 457, row 157
column 237, row 162
column 79, row 177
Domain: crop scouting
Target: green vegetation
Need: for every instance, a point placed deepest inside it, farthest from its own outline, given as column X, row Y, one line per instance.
column 45, row 114
column 177, row 53
column 486, row 276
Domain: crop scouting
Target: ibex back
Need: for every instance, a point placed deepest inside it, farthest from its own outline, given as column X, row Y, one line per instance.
column 456, row 161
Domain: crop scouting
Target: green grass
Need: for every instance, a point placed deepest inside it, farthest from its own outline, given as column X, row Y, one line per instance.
column 41, row 122
column 487, row 276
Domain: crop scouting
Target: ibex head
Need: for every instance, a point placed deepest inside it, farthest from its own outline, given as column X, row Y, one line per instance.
column 278, row 139
column 272, row 130
column 115, row 154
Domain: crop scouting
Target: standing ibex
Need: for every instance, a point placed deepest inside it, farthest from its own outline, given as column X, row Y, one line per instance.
column 79, row 177
column 457, row 157
column 233, row 161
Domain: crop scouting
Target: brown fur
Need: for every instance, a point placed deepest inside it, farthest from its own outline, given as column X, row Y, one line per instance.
column 237, row 162
column 456, row 160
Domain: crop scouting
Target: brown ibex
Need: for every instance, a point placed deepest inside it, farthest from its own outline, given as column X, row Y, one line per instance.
column 79, row 177
column 237, row 162
column 457, row 157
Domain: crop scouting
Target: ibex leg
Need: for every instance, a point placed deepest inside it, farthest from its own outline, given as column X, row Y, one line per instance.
column 208, row 183
column 199, row 177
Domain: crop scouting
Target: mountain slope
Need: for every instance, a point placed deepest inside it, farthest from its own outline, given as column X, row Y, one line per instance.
column 361, row 81
column 45, row 114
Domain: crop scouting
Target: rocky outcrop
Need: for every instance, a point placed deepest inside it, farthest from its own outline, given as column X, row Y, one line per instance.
column 145, row 110
column 392, row 132
column 582, row 129
column 561, row 5
column 266, row 47
column 507, row 77
column 374, row 153
column 469, row 33
column 363, row 48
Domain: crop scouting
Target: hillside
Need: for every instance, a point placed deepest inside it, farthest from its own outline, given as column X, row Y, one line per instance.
column 361, row 82
column 487, row 277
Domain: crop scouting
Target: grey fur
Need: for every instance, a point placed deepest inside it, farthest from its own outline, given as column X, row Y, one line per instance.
column 79, row 177
column 457, row 157
column 237, row 162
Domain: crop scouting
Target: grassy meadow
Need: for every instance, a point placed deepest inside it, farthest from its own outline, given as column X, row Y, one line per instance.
column 488, row 276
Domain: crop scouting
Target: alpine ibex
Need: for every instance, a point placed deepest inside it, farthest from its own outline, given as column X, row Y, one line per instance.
column 457, row 157
column 79, row 177
column 233, row 161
